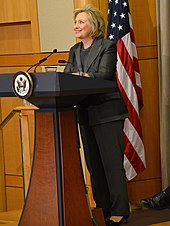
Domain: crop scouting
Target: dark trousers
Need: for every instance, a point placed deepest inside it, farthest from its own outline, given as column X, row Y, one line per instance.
column 104, row 153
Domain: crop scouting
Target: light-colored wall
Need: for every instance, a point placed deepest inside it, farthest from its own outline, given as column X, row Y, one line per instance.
column 55, row 24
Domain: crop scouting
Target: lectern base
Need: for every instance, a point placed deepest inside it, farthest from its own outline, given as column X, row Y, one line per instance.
column 98, row 216
column 56, row 194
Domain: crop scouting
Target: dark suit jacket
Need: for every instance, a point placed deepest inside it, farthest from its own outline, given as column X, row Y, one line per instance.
column 101, row 63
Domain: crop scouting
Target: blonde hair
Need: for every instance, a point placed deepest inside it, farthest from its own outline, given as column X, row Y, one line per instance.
column 95, row 18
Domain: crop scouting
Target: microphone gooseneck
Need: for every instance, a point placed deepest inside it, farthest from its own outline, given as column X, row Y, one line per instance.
column 41, row 61
column 44, row 59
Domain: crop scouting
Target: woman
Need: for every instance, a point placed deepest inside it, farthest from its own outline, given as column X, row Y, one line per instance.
column 101, row 117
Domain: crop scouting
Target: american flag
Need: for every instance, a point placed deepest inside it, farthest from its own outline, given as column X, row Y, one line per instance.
column 120, row 31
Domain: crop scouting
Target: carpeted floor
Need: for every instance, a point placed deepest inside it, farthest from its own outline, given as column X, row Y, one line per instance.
column 145, row 217
column 139, row 217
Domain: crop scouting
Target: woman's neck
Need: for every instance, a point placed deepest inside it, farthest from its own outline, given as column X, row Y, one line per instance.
column 87, row 42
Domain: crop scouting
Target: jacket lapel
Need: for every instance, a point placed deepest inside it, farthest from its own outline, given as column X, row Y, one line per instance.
column 94, row 51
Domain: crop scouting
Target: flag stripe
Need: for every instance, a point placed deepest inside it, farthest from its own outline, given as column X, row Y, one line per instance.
column 130, row 171
column 132, row 114
column 128, row 78
column 126, row 57
column 134, row 137
column 127, row 85
column 133, row 158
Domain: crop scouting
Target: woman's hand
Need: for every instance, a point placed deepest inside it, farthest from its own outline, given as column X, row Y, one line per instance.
column 81, row 74
column 76, row 73
column 86, row 75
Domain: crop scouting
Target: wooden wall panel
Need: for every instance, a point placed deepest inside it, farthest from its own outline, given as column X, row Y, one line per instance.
column 31, row 134
column 19, row 34
column 12, row 147
column 14, row 181
column 2, row 173
column 147, row 52
column 143, row 13
column 11, row 132
column 14, row 62
column 139, row 189
column 150, row 118
column 34, row 26
column 103, row 6
column 15, row 38
column 15, row 198
column 8, row 14
column 81, row 3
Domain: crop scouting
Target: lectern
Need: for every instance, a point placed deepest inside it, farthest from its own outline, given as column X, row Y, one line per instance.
column 56, row 195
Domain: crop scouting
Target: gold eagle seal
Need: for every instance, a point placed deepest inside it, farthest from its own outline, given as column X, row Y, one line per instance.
column 22, row 84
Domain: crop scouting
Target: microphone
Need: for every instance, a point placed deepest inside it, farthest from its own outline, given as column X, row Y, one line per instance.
column 41, row 61
column 63, row 62
column 69, row 62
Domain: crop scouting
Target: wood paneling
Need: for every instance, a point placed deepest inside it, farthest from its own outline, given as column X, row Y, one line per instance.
column 11, row 138
column 26, row 60
column 142, row 189
column 15, row 192
column 34, row 26
column 15, row 198
column 7, row 217
column 27, row 134
column 8, row 14
column 81, row 3
column 15, row 38
column 150, row 117
column 143, row 13
column 14, row 181
column 19, row 34
column 147, row 52
column 103, row 6
column 2, row 173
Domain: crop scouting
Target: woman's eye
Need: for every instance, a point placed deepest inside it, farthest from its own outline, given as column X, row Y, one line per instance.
column 79, row 22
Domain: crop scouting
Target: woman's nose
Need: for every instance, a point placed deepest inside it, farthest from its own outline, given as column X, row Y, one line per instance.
column 76, row 25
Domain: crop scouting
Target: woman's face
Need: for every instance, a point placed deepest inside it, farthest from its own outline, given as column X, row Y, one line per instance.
column 82, row 26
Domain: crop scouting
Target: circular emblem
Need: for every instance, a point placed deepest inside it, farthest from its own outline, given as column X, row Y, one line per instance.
column 22, row 84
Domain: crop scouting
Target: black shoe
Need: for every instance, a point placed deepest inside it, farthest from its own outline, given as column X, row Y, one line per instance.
column 158, row 202
column 112, row 223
